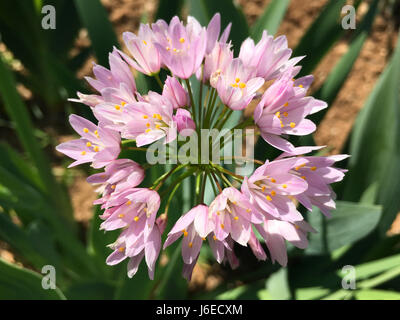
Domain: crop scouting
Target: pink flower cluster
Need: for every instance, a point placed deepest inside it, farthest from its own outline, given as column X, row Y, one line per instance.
column 265, row 207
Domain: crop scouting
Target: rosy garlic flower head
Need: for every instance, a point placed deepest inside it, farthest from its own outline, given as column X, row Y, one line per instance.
column 201, row 84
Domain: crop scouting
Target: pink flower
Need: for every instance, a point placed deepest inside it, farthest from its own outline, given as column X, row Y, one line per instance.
column 319, row 174
column 174, row 91
column 270, row 187
column 146, row 58
column 237, row 86
column 181, row 48
column 269, row 58
column 232, row 214
column 184, row 122
column 275, row 232
column 216, row 63
column 128, row 245
column 194, row 226
column 119, row 74
column 213, row 30
column 118, row 176
column 282, row 110
column 149, row 120
column 98, row 145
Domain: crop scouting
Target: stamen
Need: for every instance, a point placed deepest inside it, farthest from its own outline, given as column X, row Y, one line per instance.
column 285, row 114
column 121, row 215
column 185, row 233
column 313, row 168
column 284, row 186
column 248, row 210
column 167, row 48
column 273, row 193
column 148, row 125
column 273, row 180
column 242, row 85
column 123, row 103
column 214, row 237
column 303, row 177
column 129, row 202
column 144, row 41
column 203, row 239
column 263, row 189
column 145, row 116
column 158, row 126
column 113, row 186
column 88, row 144
column 286, row 104
column 268, row 198
column 300, row 86
column 117, row 107
column 83, row 153
column 278, row 114
column 136, row 218
column 236, row 218
column 292, row 124
column 148, row 130
column 190, row 244
column 181, row 40
column 121, row 249
column 222, row 226
column 237, row 80
column 96, row 149
column 85, row 130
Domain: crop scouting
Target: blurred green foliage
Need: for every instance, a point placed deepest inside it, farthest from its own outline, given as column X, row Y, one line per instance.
column 36, row 216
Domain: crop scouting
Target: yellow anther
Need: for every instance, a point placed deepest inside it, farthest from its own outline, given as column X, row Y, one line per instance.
column 268, row 198
column 214, row 237
column 85, row 130
column 248, row 210
column 303, row 177
column 284, row 186
column 145, row 116
column 292, row 124
column 123, row 103
column 203, row 239
column 83, row 153
column 273, row 180
column 167, row 48
column 144, row 41
column 121, row 249
column 190, row 244
column 117, row 107
column 181, row 40
column 263, row 189
column 286, row 104
column 218, row 213
column 158, row 126
column 136, row 218
column 148, row 130
column 242, row 85
column 121, row 215
column 88, row 144
column 222, row 226
column 148, row 125
column 113, row 186
column 273, row 193
column 236, row 218
column 96, row 149
column 174, row 49
column 96, row 132
column 234, row 85
column 234, row 202
column 296, row 226
column 129, row 202
column 282, row 125
column 301, row 86
column 285, row 114
column 278, row 114
column 313, row 168
column 237, row 80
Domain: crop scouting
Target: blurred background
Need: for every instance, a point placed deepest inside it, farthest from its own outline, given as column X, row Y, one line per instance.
column 46, row 212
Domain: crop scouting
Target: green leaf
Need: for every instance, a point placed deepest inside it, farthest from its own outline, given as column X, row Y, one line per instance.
column 373, row 294
column 312, row 293
column 270, row 19
column 350, row 222
column 23, row 284
column 90, row 290
column 278, row 286
column 375, row 145
column 18, row 113
column 320, row 37
column 101, row 32
column 204, row 10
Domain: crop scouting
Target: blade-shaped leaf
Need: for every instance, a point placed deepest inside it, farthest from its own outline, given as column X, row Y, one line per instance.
column 375, row 145
column 350, row 222
column 270, row 19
